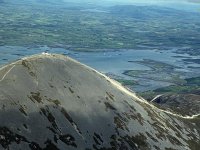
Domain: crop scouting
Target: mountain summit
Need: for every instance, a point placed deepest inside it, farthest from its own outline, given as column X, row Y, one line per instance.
column 51, row 102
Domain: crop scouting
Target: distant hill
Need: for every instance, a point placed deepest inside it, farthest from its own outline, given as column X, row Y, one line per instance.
column 185, row 104
column 34, row 1
column 54, row 102
column 183, row 99
column 148, row 12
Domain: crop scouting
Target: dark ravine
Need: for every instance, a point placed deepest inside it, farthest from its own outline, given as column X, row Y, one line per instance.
column 51, row 102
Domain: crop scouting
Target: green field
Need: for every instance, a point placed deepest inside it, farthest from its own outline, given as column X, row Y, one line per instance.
column 96, row 28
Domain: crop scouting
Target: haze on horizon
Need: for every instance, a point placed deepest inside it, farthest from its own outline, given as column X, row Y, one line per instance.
column 189, row 2
column 190, row 5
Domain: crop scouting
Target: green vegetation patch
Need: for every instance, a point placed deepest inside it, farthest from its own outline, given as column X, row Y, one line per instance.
column 191, row 86
column 127, row 82
column 73, row 27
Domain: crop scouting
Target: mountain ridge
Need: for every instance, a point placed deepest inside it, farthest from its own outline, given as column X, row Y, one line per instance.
column 53, row 101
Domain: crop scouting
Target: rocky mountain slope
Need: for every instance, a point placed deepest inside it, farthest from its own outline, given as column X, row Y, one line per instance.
column 50, row 102
column 184, row 104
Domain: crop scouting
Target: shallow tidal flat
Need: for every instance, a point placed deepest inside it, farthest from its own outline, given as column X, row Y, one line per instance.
column 159, row 71
column 139, row 70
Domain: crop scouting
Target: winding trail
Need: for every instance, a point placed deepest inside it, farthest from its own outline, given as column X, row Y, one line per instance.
column 115, row 84
column 156, row 97
column 130, row 93
column 7, row 73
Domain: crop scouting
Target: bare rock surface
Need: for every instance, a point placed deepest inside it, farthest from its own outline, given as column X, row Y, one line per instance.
column 52, row 102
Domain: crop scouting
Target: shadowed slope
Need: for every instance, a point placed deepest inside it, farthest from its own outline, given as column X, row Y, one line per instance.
column 54, row 102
